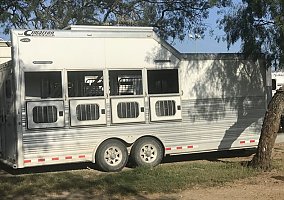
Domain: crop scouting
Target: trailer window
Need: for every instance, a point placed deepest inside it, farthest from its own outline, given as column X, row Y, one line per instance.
column 165, row 108
column 43, row 85
column 125, row 82
column 86, row 112
column 85, row 83
column 128, row 110
column 163, row 81
column 44, row 114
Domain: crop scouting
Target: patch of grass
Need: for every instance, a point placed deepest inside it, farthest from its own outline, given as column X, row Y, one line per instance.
column 278, row 164
column 164, row 178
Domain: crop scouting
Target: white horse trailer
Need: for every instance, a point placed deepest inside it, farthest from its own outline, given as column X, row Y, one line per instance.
column 103, row 94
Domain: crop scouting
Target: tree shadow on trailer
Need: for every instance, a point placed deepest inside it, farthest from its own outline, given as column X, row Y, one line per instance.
column 230, row 90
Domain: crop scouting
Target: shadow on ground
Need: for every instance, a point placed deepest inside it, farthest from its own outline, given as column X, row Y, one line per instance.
column 210, row 156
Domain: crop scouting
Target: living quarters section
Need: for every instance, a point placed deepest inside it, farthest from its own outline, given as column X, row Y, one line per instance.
column 224, row 99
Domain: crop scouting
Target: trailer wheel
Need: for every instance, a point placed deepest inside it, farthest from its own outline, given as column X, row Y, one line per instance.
column 147, row 152
column 112, row 155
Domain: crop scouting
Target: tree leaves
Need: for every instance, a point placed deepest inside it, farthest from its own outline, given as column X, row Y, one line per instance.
column 259, row 25
column 172, row 19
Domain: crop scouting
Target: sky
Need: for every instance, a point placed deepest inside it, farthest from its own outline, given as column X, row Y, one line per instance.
column 208, row 44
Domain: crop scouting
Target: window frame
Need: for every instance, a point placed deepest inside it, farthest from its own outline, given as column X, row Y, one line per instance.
column 40, row 98
column 119, row 72
column 163, row 93
column 85, row 71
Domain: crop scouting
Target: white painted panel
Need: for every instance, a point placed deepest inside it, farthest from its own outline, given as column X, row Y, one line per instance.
column 67, row 53
column 73, row 115
column 141, row 108
column 221, row 78
column 137, row 53
column 155, row 100
column 60, row 114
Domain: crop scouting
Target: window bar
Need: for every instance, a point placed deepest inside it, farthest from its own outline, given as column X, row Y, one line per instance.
column 38, row 114
column 171, row 108
column 96, row 109
column 41, row 114
column 168, row 108
column 163, row 112
column 91, row 113
column 126, row 110
column 130, row 110
column 121, row 108
column 88, row 112
column 81, row 112
column 47, row 114
column 136, row 108
column 54, row 114
column 85, row 117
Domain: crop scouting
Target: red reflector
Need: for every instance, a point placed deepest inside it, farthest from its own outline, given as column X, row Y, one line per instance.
column 82, row 156
column 252, row 141
column 168, row 148
column 190, row 147
column 55, row 158
column 68, row 157
column 41, row 160
column 242, row 142
column 27, row 161
column 179, row 147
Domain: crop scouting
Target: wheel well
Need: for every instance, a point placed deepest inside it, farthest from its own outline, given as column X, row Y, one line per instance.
column 151, row 136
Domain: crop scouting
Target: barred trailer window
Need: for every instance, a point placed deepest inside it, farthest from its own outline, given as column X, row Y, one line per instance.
column 128, row 110
column 44, row 114
column 86, row 112
column 165, row 108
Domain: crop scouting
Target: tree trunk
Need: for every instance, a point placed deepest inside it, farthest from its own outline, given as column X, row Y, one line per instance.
column 262, row 159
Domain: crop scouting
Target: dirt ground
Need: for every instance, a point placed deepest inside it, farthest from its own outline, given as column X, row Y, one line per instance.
column 266, row 186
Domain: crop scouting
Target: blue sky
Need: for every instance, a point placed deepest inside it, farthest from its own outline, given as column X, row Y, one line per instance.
column 206, row 45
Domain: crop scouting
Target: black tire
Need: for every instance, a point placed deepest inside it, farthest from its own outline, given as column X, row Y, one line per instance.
column 112, row 156
column 147, row 151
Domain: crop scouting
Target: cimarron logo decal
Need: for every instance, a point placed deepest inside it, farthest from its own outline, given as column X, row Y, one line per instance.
column 43, row 33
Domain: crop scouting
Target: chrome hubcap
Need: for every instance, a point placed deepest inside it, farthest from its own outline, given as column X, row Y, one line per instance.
column 113, row 156
column 148, row 153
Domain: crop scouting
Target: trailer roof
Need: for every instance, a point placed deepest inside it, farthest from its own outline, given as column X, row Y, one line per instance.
column 109, row 28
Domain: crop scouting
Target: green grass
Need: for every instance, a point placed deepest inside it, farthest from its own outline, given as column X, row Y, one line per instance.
column 164, row 178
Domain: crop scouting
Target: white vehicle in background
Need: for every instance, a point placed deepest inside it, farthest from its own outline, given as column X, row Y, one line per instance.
column 104, row 94
column 277, row 81
column 5, row 51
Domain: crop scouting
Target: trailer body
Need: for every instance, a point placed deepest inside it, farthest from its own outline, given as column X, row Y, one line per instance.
column 90, row 93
